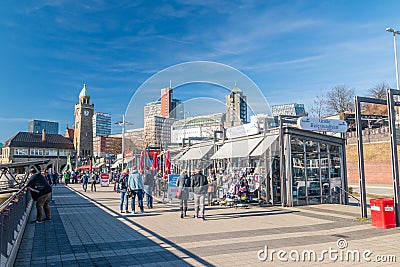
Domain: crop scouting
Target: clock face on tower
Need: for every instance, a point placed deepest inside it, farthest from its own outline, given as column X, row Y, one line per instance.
column 86, row 112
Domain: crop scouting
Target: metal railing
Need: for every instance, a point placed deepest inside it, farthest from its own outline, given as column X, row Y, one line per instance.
column 14, row 214
column 350, row 195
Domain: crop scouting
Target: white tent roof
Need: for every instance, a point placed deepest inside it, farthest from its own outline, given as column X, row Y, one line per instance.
column 197, row 152
column 264, row 145
column 237, row 148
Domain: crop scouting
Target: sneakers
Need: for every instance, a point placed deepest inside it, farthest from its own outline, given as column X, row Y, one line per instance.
column 36, row 221
column 122, row 211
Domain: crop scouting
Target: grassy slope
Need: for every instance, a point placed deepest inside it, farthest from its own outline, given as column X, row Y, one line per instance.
column 372, row 152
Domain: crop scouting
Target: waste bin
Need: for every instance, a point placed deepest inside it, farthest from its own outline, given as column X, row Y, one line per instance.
column 382, row 212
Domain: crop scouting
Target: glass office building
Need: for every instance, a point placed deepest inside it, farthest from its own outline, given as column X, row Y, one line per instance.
column 36, row 126
column 101, row 124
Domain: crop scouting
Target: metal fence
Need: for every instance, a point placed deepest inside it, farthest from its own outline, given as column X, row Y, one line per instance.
column 14, row 214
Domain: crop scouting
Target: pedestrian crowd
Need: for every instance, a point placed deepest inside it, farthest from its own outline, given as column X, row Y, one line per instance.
column 134, row 185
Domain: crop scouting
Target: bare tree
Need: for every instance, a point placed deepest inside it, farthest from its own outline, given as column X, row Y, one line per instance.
column 318, row 108
column 340, row 99
column 378, row 91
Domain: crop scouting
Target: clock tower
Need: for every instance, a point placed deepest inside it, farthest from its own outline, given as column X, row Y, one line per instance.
column 83, row 135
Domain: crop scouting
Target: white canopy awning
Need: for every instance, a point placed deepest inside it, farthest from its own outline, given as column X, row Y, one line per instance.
column 179, row 155
column 268, row 142
column 197, row 152
column 237, row 148
column 116, row 164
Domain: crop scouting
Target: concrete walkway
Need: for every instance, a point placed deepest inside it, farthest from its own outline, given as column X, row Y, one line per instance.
column 88, row 230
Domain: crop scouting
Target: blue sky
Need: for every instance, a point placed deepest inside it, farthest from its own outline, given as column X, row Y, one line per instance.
column 293, row 50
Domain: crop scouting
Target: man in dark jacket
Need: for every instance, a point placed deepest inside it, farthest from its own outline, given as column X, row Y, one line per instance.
column 40, row 191
column 199, row 187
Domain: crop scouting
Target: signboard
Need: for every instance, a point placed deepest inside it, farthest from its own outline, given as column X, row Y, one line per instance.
column 243, row 130
column 172, row 188
column 128, row 154
column 322, row 125
column 104, row 179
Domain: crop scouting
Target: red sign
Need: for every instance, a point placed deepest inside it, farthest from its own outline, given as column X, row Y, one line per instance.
column 128, row 154
column 104, row 176
column 152, row 151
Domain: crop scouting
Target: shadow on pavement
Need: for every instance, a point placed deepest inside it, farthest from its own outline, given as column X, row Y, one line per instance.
column 82, row 234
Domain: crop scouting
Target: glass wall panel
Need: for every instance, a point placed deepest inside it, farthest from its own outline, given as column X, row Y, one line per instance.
column 311, row 146
column 297, row 145
column 323, row 148
column 299, row 179
column 325, row 178
column 313, row 178
column 335, row 178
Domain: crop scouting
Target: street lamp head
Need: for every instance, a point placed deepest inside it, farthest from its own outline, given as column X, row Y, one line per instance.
column 389, row 30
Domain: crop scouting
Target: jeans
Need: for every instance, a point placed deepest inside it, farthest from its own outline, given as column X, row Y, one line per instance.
column 149, row 200
column 124, row 198
column 84, row 186
column 43, row 203
column 210, row 197
column 139, row 193
column 149, row 195
column 199, row 200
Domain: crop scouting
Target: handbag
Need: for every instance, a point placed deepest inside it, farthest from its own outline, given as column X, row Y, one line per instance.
column 129, row 192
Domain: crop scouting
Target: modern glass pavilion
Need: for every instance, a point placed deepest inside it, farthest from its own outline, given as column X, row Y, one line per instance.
column 292, row 166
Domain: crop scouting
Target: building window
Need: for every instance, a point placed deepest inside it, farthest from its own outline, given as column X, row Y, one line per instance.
column 21, row 151
column 50, row 152
column 64, row 153
column 36, row 152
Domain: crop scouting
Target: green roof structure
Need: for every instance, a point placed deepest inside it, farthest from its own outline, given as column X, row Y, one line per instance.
column 84, row 92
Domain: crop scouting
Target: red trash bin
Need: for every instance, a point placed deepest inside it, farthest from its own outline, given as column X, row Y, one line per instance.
column 382, row 212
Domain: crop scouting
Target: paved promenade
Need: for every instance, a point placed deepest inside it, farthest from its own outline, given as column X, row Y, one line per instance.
column 88, row 230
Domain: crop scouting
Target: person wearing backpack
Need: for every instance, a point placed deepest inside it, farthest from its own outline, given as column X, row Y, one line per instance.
column 122, row 186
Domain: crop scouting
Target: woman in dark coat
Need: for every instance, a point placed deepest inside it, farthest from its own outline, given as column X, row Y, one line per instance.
column 184, row 184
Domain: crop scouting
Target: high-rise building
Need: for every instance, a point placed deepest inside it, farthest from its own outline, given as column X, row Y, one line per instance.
column 158, row 118
column 152, row 109
column 83, row 131
column 36, row 126
column 293, row 109
column 101, row 124
column 157, row 131
column 170, row 107
column 236, row 108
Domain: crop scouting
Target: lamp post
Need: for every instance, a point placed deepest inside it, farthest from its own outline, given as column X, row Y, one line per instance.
column 395, row 54
column 123, row 123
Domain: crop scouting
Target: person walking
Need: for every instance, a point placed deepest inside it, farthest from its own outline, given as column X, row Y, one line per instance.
column 95, row 177
column 66, row 177
column 135, row 183
column 183, row 184
column 40, row 191
column 85, row 180
column 122, row 186
column 199, row 187
column 148, row 185
column 211, row 187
